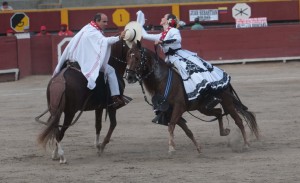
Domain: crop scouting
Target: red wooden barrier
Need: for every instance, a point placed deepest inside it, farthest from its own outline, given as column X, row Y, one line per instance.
column 227, row 44
column 9, row 54
column 41, row 51
column 24, row 57
column 38, row 55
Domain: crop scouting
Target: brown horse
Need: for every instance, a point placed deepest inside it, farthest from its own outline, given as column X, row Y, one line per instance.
column 144, row 65
column 68, row 93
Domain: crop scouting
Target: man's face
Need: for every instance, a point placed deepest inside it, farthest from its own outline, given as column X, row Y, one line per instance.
column 103, row 22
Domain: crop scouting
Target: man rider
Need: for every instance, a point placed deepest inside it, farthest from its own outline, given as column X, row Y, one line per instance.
column 91, row 50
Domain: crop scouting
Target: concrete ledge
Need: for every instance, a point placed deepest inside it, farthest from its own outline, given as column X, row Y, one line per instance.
column 244, row 61
column 50, row 6
column 15, row 70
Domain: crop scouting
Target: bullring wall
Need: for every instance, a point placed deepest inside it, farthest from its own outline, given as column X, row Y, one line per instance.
column 217, row 43
column 38, row 55
column 76, row 18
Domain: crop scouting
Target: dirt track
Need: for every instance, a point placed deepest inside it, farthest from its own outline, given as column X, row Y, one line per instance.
column 138, row 151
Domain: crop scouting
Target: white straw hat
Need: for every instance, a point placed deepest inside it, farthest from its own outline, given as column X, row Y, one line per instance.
column 133, row 33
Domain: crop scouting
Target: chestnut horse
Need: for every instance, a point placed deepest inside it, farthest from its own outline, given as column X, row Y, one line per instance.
column 145, row 66
column 68, row 93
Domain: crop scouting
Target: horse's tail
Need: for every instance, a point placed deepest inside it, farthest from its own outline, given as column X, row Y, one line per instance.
column 56, row 105
column 248, row 116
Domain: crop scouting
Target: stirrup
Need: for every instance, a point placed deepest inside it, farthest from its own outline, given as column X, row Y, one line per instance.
column 213, row 102
column 124, row 101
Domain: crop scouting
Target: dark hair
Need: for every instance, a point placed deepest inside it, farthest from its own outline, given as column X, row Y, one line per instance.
column 173, row 20
column 196, row 20
column 5, row 3
column 97, row 17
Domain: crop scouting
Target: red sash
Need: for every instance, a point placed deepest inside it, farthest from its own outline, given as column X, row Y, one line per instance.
column 164, row 33
column 96, row 26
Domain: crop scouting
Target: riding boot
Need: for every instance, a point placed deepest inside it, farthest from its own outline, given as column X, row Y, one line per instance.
column 161, row 118
column 118, row 102
column 158, row 116
column 212, row 102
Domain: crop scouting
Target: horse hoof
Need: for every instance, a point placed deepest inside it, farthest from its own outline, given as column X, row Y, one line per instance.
column 225, row 132
column 199, row 150
column 100, row 149
column 246, row 147
column 63, row 161
column 100, row 152
column 171, row 150
column 98, row 146
column 55, row 158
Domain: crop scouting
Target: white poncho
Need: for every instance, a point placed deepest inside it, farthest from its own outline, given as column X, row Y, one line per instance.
column 91, row 49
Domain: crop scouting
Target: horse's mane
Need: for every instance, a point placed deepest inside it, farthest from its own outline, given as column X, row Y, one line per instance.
column 154, row 55
column 150, row 86
column 118, row 57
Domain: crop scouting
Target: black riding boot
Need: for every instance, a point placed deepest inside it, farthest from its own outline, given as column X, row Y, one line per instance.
column 161, row 118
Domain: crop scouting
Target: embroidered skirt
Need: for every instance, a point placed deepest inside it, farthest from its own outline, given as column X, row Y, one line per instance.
column 199, row 77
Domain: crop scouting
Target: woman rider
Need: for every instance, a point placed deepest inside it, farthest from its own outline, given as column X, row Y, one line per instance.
column 200, row 78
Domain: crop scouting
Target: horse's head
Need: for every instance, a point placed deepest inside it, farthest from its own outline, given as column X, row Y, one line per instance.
column 135, row 62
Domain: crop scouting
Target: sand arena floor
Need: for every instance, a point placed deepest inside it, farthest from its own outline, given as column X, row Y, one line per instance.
column 138, row 151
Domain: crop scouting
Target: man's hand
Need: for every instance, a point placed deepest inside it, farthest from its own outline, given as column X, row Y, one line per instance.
column 122, row 35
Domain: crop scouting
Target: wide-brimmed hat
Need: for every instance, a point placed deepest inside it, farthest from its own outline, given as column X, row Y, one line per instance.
column 133, row 33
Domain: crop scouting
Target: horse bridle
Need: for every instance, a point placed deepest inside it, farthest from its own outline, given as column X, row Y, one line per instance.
column 141, row 67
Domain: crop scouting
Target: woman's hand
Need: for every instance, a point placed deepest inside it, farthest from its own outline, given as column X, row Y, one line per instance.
column 158, row 42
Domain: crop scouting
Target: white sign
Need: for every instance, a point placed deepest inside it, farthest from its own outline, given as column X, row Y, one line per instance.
column 241, row 11
column 251, row 22
column 204, row 15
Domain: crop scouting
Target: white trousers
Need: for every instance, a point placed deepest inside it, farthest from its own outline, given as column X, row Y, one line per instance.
column 112, row 80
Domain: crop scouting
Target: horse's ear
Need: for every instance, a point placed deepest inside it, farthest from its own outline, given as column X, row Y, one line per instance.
column 139, row 45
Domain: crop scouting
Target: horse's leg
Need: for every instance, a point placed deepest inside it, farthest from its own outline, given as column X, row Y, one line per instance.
column 55, row 155
column 217, row 112
column 112, row 126
column 98, row 126
column 60, row 136
column 189, row 133
column 228, row 105
column 175, row 117
column 239, row 122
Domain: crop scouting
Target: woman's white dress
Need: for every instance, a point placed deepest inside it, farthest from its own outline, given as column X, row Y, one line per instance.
column 199, row 77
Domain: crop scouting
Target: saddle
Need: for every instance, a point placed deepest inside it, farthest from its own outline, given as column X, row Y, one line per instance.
column 100, row 95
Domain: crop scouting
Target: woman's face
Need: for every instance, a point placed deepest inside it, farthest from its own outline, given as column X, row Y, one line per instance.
column 164, row 20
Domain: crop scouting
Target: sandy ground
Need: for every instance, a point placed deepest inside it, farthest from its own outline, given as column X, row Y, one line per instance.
column 138, row 151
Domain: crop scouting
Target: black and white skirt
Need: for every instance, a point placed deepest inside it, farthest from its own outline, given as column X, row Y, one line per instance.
column 198, row 75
